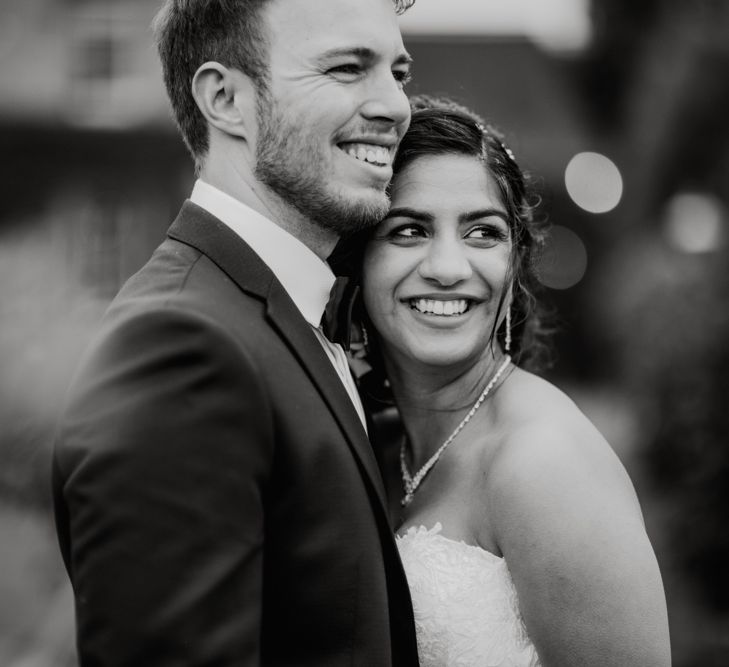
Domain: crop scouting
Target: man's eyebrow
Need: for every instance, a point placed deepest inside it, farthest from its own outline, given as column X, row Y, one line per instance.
column 407, row 212
column 363, row 53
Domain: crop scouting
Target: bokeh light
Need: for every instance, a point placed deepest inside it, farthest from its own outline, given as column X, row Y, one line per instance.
column 593, row 182
column 694, row 222
column 564, row 261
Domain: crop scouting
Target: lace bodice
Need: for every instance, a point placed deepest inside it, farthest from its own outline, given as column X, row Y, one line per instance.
column 466, row 608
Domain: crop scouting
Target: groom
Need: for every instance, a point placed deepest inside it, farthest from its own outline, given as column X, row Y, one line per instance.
column 217, row 500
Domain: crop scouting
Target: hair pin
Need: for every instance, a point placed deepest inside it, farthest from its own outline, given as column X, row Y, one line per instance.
column 486, row 131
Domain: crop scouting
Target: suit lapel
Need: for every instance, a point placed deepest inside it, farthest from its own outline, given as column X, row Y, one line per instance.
column 198, row 228
column 297, row 332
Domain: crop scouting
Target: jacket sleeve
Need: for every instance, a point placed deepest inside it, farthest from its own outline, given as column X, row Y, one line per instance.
column 159, row 475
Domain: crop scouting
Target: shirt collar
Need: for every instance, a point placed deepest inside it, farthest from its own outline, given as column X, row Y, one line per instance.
column 307, row 279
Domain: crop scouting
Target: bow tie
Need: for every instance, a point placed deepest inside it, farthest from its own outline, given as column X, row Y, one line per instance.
column 336, row 322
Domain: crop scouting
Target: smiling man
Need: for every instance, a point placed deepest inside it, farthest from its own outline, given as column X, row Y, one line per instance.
column 217, row 500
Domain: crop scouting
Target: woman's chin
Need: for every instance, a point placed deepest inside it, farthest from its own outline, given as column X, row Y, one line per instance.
column 441, row 357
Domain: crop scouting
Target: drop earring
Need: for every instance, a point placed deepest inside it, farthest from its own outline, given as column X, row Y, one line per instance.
column 507, row 335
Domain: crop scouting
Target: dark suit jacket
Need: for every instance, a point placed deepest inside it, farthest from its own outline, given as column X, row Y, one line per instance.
column 217, row 500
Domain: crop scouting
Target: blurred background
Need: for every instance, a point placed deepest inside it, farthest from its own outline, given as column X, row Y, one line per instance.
column 618, row 108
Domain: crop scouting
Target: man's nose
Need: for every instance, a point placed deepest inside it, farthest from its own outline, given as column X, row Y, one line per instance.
column 386, row 100
column 446, row 263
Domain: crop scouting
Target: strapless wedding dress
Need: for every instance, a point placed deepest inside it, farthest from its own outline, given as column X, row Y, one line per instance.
column 466, row 608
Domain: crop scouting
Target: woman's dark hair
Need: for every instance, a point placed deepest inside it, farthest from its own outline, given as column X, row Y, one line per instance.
column 440, row 126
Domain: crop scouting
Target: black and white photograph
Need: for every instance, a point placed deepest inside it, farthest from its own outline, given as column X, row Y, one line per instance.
column 364, row 333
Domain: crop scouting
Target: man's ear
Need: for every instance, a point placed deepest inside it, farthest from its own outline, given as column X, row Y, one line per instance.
column 226, row 97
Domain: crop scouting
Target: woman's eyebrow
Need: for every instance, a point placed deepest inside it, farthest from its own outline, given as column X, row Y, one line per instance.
column 483, row 213
column 407, row 212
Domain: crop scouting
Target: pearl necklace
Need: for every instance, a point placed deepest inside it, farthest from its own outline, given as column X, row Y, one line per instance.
column 412, row 482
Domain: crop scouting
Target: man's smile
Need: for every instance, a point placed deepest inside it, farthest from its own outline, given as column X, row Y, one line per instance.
column 377, row 155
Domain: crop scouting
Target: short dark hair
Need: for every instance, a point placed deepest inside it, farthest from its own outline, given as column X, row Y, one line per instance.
column 230, row 32
column 191, row 32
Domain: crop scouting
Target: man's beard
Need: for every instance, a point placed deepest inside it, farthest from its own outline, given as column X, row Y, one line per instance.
column 287, row 162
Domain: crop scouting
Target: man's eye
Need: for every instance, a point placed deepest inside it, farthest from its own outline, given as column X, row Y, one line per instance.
column 348, row 68
column 402, row 77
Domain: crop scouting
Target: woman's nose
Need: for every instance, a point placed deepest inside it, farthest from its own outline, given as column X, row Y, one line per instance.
column 446, row 263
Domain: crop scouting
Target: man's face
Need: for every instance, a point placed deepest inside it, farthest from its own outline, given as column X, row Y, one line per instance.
column 335, row 109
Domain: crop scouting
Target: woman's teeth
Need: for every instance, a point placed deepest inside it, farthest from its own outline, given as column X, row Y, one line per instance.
column 368, row 153
column 438, row 307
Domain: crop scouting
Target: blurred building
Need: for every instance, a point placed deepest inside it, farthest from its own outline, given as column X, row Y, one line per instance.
column 76, row 63
column 92, row 175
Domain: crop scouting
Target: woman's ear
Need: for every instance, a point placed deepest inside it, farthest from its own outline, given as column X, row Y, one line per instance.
column 226, row 98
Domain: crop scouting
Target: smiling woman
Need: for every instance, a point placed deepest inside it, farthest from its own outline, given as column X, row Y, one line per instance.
column 479, row 205
column 435, row 270
column 518, row 527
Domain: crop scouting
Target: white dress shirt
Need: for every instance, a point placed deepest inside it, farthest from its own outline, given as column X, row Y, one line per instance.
column 307, row 279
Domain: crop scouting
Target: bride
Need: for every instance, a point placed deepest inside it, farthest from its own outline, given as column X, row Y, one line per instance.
column 519, row 529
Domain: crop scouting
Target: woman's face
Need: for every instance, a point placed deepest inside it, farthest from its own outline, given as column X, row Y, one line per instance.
column 436, row 266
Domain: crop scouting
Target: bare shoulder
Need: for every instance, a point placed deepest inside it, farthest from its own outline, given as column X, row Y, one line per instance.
column 563, row 511
column 550, row 450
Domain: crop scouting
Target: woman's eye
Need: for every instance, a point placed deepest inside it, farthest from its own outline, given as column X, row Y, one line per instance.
column 407, row 231
column 403, row 234
column 488, row 233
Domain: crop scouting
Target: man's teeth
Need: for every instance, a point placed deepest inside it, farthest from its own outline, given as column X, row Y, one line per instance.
column 369, row 153
column 438, row 307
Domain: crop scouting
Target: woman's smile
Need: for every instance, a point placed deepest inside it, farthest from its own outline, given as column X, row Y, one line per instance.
column 440, row 306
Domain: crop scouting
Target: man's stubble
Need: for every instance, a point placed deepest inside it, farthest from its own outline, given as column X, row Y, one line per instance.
column 288, row 162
